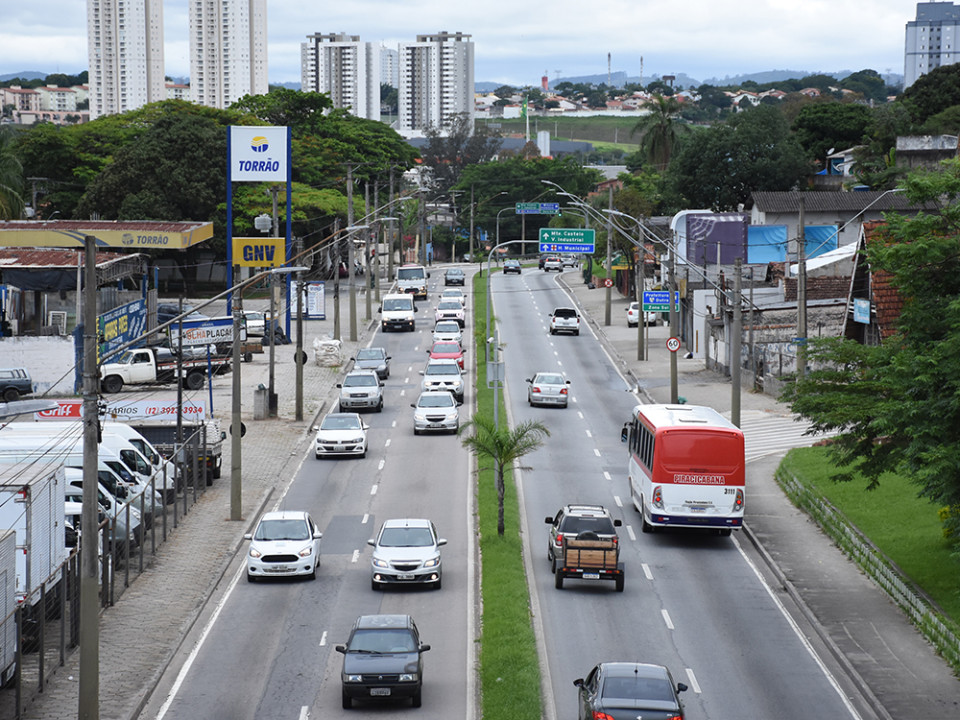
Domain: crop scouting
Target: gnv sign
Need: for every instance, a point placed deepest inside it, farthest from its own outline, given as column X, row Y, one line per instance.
column 259, row 251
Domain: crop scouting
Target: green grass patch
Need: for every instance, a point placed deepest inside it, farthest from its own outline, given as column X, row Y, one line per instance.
column 903, row 526
column 509, row 665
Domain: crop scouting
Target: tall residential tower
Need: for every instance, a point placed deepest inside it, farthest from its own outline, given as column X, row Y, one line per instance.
column 125, row 53
column 436, row 81
column 931, row 40
column 345, row 68
column 228, row 50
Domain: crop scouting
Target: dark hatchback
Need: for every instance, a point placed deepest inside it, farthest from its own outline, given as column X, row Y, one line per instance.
column 627, row 691
column 454, row 276
column 382, row 660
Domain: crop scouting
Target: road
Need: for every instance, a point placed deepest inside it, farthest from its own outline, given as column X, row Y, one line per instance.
column 272, row 643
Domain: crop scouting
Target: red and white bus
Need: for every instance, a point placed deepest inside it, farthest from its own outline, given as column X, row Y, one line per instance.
column 686, row 468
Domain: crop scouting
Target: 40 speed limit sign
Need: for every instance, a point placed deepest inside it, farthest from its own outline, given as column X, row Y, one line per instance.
column 673, row 344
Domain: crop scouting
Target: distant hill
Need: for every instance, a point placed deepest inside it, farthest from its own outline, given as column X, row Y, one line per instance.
column 25, row 75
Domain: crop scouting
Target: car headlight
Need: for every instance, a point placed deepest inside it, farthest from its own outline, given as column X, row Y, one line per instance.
column 420, row 417
column 306, row 552
column 353, row 678
column 357, row 441
column 380, row 563
column 408, row 677
column 255, row 553
column 433, row 562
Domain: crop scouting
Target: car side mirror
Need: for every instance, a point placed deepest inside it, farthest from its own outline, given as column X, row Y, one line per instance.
column 681, row 687
column 365, row 426
column 389, row 357
column 340, row 649
column 549, row 520
column 371, row 542
column 339, row 385
column 317, row 535
column 424, row 647
column 623, row 434
column 578, row 682
column 248, row 536
column 421, row 372
column 568, row 382
column 529, row 380
column 413, row 405
column 442, row 541
column 459, row 403
column 223, row 435
column 617, row 522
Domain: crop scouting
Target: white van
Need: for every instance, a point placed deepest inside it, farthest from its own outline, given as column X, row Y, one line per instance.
column 413, row 279
column 73, row 492
column 397, row 312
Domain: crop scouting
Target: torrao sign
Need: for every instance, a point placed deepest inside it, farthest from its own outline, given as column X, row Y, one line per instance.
column 258, row 154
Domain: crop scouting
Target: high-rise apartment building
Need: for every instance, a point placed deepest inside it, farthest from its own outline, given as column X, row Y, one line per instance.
column 125, row 54
column 931, row 40
column 228, row 50
column 345, row 68
column 436, row 81
column 389, row 67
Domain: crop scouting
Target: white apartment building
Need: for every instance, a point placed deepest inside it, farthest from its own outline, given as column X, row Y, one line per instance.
column 389, row 67
column 436, row 81
column 125, row 54
column 346, row 69
column 931, row 40
column 228, row 50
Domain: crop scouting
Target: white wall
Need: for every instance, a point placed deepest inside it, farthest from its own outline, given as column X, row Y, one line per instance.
column 48, row 359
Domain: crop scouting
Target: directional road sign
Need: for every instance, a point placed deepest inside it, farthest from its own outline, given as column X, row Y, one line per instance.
column 567, row 240
column 538, row 208
column 659, row 300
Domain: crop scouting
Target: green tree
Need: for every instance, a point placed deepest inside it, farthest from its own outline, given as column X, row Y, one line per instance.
column 713, row 98
column 502, row 446
column 11, row 178
column 659, row 130
column 933, row 93
column 823, row 126
column 721, row 166
column 868, row 83
column 876, row 160
column 449, row 150
column 897, row 404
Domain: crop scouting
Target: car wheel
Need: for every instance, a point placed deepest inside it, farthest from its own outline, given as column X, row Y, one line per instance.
column 251, row 578
column 558, row 581
column 346, row 700
column 313, row 575
column 438, row 584
column 374, row 585
column 576, row 332
column 619, row 582
column 340, row 408
column 363, row 454
column 380, row 406
column 415, row 431
column 552, row 331
column 724, row 532
column 11, row 395
column 318, row 455
column 644, row 525
column 415, row 700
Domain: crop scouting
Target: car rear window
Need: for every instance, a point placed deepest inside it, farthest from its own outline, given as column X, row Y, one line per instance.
column 574, row 525
column 564, row 312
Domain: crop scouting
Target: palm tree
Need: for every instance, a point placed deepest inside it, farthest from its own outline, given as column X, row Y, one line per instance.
column 659, row 130
column 11, row 178
column 503, row 446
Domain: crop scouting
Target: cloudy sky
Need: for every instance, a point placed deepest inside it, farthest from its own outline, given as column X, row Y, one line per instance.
column 516, row 42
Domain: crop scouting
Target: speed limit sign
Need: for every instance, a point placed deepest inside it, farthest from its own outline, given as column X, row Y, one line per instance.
column 673, row 344
column 608, row 282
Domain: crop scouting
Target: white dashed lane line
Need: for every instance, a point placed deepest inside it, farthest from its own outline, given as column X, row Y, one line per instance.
column 666, row 619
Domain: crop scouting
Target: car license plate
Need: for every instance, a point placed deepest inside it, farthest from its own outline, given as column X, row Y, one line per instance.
column 698, row 509
column 591, row 576
column 405, row 576
column 279, row 568
column 380, row 692
column 435, row 425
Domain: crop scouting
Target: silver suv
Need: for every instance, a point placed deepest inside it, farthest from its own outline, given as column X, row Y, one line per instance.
column 361, row 390
column 573, row 520
column 443, row 374
column 564, row 319
column 406, row 552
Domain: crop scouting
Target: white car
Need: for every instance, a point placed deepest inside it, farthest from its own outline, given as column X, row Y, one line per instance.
column 454, row 294
column 341, row 434
column 361, row 390
column 256, row 323
column 548, row 388
column 406, row 552
column 436, row 411
column 285, row 544
column 633, row 315
column 442, row 374
column 448, row 331
column 450, row 310
column 564, row 319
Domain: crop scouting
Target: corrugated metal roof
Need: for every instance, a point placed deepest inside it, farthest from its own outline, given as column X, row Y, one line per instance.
column 24, row 258
column 156, row 226
column 825, row 202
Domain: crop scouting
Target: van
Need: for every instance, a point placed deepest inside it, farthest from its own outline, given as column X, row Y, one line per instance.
column 397, row 312
column 413, row 279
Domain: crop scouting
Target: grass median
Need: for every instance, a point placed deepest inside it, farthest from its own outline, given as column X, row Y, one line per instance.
column 509, row 666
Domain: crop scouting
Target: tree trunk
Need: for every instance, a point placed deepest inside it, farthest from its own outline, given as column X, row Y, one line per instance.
column 500, row 493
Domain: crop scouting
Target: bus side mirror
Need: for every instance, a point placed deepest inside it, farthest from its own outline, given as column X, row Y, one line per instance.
column 623, row 434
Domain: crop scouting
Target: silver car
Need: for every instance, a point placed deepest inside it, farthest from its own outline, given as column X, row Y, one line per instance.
column 373, row 358
column 548, row 388
column 436, row 411
column 361, row 390
column 406, row 551
column 443, row 374
column 448, row 331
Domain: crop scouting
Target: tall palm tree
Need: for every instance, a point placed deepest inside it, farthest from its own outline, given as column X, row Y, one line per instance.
column 11, row 178
column 503, row 446
column 659, row 130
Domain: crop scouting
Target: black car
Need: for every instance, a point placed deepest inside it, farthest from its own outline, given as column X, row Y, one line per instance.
column 15, row 383
column 454, row 276
column 382, row 660
column 168, row 311
column 511, row 266
column 373, row 358
column 628, row 690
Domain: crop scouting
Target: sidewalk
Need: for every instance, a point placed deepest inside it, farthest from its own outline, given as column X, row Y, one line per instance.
column 892, row 665
column 142, row 632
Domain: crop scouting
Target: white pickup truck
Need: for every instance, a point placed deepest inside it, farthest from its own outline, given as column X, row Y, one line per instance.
column 157, row 365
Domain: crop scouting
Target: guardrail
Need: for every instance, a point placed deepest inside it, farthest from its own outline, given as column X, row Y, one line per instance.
column 932, row 624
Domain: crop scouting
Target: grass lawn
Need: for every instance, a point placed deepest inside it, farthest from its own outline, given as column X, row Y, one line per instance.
column 903, row 526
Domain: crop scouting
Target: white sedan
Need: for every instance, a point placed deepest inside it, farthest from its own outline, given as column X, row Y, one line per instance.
column 436, row 411
column 447, row 331
column 548, row 388
column 633, row 315
column 286, row 543
column 341, row 434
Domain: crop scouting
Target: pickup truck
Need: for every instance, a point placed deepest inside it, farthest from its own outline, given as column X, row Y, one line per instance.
column 142, row 366
column 589, row 557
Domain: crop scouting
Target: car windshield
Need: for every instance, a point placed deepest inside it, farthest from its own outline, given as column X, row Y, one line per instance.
column 446, row 348
column 370, row 354
column 397, row 304
column 442, row 369
column 340, row 422
column 411, row 273
column 436, row 401
column 382, row 641
column 447, row 327
column 449, row 305
column 638, row 688
column 406, row 537
column 548, row 379
column 282, row 529
column 359, row 381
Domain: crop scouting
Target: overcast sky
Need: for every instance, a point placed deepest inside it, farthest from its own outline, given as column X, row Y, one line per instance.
column 516, row 42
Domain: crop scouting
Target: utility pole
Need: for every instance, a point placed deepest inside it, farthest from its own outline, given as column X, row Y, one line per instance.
column 89, row 698
column 472, row 206
column 368, row 306
column 299, row 400
column 236, row 425
column 273, row 314
column 350, row 258
column 674, row 392
column 735, row 342
column 423, row 228
column 801, row 296
column 393, row 239
column 609, row 267
column 336, row 280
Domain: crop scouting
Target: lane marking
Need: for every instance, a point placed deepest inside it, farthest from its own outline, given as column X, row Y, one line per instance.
column 373, row 490
column 630, row 532
column 387, row 443
column 579, row 413
column 323, row 638
column 304, row 712
column 606, row 475
column 381, row 464
column 646, row 571
column 589, row 434
column 355, row 557
column 366, row 516
column 596, row 452
column 694, row 685
column 393, row 424
column 616, row 499
column 666, row 619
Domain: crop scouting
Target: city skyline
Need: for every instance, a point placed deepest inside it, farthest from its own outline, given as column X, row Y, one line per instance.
column 714, row 40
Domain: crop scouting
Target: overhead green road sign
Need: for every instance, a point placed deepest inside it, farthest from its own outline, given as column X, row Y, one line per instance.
column 538, row 208
column 567, row 240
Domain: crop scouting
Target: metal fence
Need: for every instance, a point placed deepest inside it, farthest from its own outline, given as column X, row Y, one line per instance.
column 46, row 625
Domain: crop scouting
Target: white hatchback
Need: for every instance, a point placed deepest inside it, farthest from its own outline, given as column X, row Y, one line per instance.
column 285, row 544
column 341, row 434
column 448, row 331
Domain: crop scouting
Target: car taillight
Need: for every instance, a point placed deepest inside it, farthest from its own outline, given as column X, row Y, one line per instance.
column 597, row 715
column 559, row 539
column 563, row 391
column 738, row 503
column 658, row 497
column 536, row 389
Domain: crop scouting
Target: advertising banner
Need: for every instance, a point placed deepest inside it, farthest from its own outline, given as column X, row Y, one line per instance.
column 121, row 325
column 258, row 154
column 259, row 251
column 213, row 331
column 129, row 410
